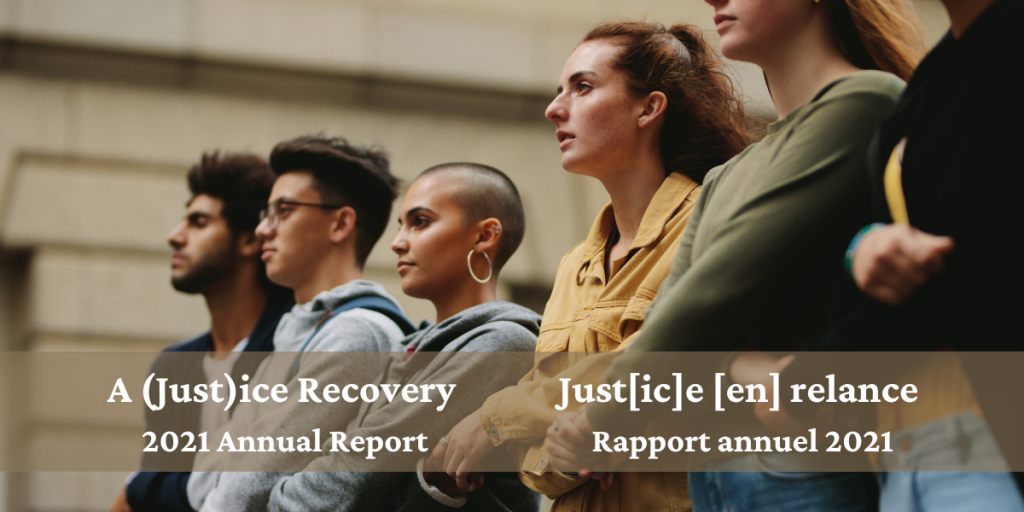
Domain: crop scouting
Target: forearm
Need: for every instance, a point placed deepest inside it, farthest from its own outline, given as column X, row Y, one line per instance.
column 524, row 412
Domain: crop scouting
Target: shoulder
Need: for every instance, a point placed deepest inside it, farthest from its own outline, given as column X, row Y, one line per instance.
column 182, row 357
column 715, row 174
column 200, row 343
column 169, row 359
column 854, row 104
column 673, row 200
column 515, row 329
column 861, row 94
column 575, row 253
column 583, row 251
column 571, row 262
column 868, row 82
column 357, row 330
column 501, row 336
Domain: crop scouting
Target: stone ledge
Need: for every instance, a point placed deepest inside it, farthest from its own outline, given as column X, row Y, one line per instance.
column 77, row 62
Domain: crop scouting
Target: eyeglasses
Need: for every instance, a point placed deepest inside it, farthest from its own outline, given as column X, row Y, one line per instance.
column 272, row 213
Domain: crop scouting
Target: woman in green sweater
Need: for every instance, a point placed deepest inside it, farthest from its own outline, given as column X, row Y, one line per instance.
column 755, row 263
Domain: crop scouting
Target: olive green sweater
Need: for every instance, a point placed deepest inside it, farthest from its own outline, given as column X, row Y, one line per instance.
column 757, row 261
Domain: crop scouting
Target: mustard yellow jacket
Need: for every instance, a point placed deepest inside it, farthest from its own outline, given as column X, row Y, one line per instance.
column 588, row 313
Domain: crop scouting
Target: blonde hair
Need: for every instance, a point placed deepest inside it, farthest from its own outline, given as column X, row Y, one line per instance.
column 879, row 34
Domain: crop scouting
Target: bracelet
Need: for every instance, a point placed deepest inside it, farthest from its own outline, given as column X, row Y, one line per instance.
column 852, row 248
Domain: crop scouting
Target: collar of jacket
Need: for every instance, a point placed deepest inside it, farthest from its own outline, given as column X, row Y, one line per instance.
column 669, row 197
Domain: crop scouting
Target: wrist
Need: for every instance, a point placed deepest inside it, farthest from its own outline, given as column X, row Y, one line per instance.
column 851, row 250
column 432, row 490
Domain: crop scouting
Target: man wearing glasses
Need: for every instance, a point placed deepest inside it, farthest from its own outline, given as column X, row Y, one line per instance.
column 329, row 205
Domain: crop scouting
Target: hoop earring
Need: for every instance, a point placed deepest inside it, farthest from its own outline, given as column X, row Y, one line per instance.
column 469, row 262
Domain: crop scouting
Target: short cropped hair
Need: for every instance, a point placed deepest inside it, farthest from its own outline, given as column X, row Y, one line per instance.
column 486, row 192
column 346, row 174
column 241, row 181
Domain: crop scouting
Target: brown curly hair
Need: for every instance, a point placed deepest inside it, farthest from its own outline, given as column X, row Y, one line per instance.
column 704, row 121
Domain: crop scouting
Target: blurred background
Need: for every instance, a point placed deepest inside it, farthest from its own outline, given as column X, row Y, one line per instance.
column 104, row 104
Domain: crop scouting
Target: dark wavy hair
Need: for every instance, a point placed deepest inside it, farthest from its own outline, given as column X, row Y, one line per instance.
column 347, row 174
column 704, row 121
column 242, row 181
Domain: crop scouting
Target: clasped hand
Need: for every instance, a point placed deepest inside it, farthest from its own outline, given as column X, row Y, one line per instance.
column 891, row 262
column 571, row 447
column 754, row 367
column 468, row 445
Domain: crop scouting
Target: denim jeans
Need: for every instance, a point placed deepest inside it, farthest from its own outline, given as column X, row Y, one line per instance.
column 948, row 465
column 759, row 488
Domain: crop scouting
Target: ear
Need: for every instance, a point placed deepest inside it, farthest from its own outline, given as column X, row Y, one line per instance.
column 248, row 244
column 654, row 109
column 344, row 224
column 487, row 233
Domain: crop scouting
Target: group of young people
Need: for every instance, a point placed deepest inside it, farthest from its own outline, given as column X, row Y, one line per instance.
column 873, row 215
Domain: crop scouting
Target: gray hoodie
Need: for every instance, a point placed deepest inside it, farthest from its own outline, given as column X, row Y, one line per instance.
column 356, row 330
column 338, row 482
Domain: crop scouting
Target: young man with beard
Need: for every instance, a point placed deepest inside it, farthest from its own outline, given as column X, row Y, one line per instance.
column 216, row 254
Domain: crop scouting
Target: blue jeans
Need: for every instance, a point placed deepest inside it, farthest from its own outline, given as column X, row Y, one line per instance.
column 948, row 465
column 720, row 488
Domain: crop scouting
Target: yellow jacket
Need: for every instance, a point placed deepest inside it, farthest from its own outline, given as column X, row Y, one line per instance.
column 588, row 314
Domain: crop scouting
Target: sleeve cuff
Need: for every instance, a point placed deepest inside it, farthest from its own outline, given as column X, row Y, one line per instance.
column 435, row 493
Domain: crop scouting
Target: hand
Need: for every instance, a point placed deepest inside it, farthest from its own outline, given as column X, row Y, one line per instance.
column 571, row 441
column 893, row 261
column 121, row 503
column 754, row 368
column 447, row 485
column 605, row 479
column 780, row 422
column 468, row 445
